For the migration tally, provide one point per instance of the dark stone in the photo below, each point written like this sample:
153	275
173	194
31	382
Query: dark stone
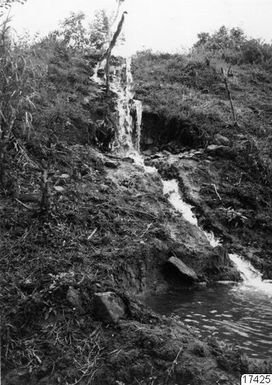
73	296
220	151
183	269
111	164
108	307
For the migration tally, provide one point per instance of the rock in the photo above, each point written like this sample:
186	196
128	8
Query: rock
147	152
222	151
108	307
214	148
101	72
183	269
111	164
59	188
128	159
104	188
221	140
149	141
64	176
73	297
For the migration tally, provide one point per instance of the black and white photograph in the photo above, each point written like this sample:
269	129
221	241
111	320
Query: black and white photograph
136	192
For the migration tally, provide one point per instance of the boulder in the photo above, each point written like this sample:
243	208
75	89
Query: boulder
221	151
108	307
111	164
221	140
73	297
183	269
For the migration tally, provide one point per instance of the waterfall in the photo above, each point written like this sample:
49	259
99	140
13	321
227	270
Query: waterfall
139	113
252	278
171	189
127	142
123	140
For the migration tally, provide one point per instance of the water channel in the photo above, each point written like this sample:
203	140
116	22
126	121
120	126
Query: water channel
239	314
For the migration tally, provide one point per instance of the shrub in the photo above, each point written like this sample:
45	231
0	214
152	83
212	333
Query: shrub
234	47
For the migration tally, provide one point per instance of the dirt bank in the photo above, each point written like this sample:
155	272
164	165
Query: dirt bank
229	198
109	229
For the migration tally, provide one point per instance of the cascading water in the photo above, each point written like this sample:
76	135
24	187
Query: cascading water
128	136
171	189
139	114
123	141
231	313
239	314
252	278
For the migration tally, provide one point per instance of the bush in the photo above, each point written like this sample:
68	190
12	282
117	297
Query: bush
234	47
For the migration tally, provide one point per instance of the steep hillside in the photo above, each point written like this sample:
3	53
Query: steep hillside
86	233
186	106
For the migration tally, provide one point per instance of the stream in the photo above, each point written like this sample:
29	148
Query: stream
235	316
236	313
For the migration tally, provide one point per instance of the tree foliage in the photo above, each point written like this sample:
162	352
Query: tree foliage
234	46
73	30
100	30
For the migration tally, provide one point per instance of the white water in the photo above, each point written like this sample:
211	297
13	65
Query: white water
128	137
252	278
171	189
139	114
123	141
127	142
238	314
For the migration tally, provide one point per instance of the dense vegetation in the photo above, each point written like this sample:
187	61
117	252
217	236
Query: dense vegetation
234	47
70	232
191	89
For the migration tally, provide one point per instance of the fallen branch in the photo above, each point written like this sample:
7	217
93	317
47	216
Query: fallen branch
216	192
21	203
92	234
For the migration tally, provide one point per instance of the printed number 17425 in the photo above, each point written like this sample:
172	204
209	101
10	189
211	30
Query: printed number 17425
254	379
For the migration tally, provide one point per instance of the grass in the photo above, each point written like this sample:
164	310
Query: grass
186	87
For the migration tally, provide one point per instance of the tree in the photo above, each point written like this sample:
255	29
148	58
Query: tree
203	39
73	31
100	30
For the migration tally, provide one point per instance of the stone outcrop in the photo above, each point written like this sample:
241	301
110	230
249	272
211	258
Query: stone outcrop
183	269
108	307
221	140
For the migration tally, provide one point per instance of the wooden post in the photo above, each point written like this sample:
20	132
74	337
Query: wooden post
229	96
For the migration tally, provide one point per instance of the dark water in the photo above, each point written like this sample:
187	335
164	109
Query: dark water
235	316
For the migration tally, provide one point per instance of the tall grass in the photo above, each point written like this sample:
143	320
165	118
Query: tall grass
16	105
